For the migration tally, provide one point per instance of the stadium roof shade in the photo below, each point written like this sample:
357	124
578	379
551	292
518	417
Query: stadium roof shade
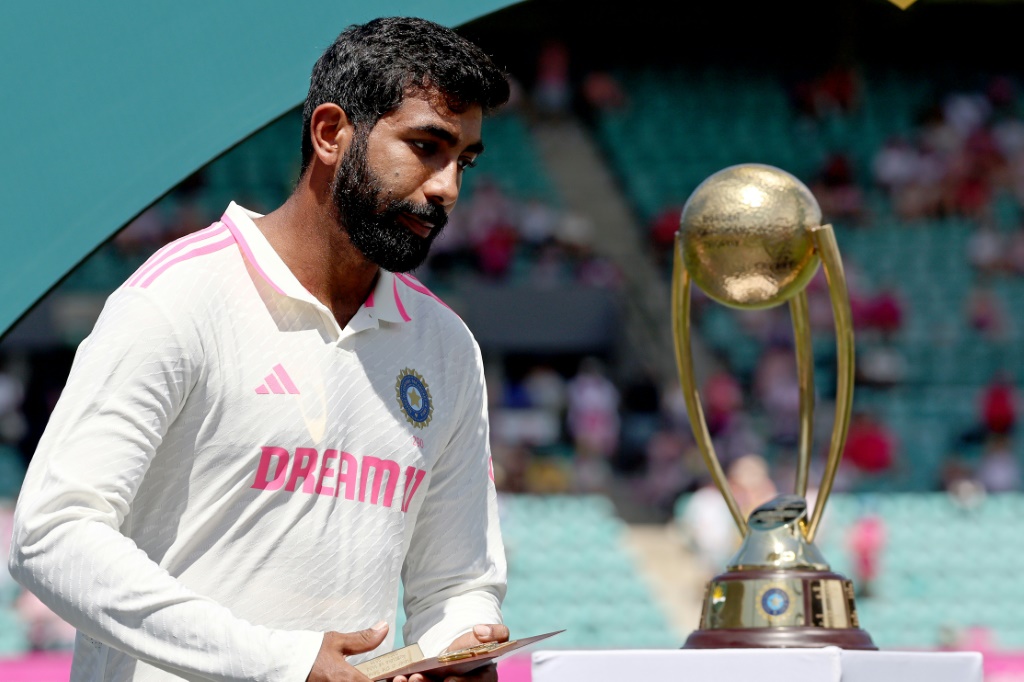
107	106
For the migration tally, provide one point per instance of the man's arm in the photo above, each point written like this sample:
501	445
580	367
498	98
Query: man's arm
128	383
455	573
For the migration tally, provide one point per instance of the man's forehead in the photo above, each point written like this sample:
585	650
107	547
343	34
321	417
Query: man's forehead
424	110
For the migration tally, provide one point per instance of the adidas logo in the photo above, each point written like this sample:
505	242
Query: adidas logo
277	382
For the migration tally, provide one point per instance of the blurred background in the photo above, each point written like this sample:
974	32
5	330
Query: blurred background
908	126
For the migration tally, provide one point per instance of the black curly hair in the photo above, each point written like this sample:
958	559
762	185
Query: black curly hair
371	67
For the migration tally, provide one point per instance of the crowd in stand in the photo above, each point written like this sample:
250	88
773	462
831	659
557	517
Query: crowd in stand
964	160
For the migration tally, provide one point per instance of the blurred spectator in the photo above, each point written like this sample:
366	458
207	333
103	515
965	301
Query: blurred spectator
496	251
545	388
998	469
672	405
999	406
708	528
552	95
551	266
592	420
511	462
896	164
881	365
537	222
668	473
777	390
593	410
705	520
870	445
663	230
595	270
491	231
986	249
740	437
751	482
722	396
966	112
602	92
836	91
865	542
911	177
985	313
883	313
837	191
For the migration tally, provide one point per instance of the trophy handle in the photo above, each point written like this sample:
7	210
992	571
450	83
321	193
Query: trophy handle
684	361
798	309
825	242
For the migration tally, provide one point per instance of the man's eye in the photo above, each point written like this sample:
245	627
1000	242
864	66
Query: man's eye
467	163
425	146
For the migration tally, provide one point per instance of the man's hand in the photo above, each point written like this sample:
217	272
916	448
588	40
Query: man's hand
330	664
481	634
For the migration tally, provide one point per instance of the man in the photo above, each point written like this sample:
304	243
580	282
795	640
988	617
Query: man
271	425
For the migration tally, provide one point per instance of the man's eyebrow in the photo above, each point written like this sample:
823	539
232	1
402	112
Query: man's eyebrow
450	138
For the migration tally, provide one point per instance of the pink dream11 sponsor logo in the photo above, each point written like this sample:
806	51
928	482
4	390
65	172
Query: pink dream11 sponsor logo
336	474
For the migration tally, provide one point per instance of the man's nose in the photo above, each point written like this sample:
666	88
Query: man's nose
443	186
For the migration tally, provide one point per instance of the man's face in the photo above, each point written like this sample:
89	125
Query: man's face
397	183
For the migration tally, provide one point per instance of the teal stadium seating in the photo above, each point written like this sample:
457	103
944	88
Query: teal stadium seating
568	568
944	567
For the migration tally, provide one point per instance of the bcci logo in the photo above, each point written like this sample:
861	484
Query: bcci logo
774	601
414	398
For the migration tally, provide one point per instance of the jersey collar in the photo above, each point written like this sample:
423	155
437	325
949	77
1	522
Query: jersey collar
383	303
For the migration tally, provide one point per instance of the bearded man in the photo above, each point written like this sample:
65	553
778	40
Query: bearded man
272	425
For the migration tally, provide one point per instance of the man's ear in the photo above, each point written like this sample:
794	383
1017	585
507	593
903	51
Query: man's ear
331	133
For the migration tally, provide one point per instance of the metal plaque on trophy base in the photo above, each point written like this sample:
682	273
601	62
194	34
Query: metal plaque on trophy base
751	237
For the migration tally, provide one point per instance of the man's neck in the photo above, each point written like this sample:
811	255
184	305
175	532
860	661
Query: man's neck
305	235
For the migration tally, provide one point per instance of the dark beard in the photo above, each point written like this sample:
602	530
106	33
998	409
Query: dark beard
370	218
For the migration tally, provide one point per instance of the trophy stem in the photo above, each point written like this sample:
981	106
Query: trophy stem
684	361
799	311
825	242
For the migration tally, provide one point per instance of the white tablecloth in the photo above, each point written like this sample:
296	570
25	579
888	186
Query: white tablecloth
828	664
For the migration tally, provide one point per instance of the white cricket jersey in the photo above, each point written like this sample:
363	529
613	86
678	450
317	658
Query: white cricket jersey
228	473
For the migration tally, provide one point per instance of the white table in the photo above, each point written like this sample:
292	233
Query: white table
828	664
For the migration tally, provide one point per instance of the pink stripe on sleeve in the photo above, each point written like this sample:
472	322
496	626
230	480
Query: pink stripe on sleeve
201	251
398	302
242	244
170	249
286	380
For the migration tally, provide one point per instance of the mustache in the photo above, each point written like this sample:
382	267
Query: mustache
431	213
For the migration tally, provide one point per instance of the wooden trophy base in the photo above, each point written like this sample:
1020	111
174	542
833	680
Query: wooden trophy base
758	608
780	638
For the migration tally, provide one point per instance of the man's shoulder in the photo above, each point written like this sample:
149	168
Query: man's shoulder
424	305
179	267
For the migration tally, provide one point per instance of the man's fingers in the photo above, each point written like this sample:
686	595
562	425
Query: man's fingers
364	640
491	633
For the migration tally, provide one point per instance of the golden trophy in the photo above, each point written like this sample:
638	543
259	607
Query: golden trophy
751	237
